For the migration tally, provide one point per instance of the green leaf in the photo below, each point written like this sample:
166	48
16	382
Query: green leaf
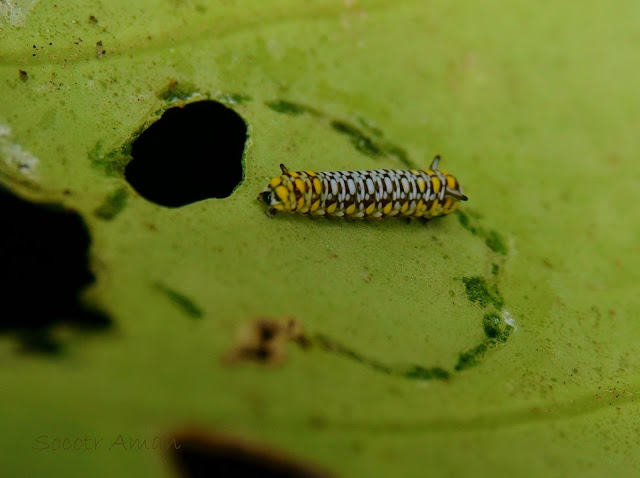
502	341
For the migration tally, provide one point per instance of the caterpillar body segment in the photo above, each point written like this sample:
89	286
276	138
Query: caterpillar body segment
365	194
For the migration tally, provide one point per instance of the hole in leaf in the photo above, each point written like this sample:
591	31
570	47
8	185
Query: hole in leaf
197	454
191	153
45	266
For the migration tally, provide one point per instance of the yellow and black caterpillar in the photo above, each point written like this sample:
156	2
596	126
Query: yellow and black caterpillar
357	194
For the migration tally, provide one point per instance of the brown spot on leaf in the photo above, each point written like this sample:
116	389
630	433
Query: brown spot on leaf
613	159
99	51
264	340
199	454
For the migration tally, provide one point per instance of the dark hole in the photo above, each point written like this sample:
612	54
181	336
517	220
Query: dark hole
199	455
45	264
192	153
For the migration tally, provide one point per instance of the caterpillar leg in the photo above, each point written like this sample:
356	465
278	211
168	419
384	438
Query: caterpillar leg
271	212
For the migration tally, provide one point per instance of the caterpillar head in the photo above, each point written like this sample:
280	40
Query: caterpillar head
268	197
275	195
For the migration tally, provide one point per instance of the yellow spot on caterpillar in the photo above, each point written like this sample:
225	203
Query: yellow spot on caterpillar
451	182
371	208
332	208
351	209
293	174
311	173
302	187
435	205
282	193
289	185
421	185
315	205
300	202
387	208
276	182
317	185
404	207
436	184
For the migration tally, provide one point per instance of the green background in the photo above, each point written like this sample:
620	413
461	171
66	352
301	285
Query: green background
535	108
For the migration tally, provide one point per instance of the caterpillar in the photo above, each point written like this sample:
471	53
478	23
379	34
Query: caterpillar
359	194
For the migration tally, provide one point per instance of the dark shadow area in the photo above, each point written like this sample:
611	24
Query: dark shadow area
360	141
183	302
291	108
196	455
191	153
45	265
